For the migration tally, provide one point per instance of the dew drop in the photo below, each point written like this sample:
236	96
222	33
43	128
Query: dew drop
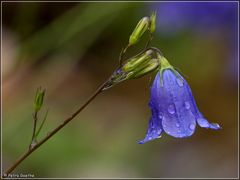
187	105
158	132
179	131
34	143
192	126
171	109
177	125
149	138
180	82
203	122
160	115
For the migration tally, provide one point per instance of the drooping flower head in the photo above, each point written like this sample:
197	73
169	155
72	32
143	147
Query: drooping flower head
173	107
174	110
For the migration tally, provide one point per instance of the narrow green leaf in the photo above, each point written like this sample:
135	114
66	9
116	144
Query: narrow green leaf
39	129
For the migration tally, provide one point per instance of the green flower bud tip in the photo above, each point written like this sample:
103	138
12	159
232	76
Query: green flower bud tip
137	61
139	30
153	22
39	97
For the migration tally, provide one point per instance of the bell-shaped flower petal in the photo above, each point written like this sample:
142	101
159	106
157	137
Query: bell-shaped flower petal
173	107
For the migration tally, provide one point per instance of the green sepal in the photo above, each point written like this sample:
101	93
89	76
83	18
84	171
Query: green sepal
164	64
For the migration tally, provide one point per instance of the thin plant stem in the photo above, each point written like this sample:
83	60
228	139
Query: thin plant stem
54	131
123	51
34	147
149	39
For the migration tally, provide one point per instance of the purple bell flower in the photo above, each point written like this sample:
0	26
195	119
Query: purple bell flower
174	110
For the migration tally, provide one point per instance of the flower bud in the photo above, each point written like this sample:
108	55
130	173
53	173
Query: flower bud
139	30
138	60
149	67
153	22
136	67
39	97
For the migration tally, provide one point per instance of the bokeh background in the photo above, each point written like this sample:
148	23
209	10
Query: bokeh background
71	48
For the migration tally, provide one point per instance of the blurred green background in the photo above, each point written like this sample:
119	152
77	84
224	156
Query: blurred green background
70	49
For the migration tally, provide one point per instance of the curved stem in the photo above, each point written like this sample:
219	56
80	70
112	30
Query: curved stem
54	131
149	39
66	121
156	49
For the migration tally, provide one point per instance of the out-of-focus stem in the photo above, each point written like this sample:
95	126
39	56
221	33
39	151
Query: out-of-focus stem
54	131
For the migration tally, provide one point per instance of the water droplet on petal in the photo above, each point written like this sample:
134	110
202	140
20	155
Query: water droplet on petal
203	122
158	132
160	115
187	105
171	109
191	126
177	125
180	82
179	131
149	138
